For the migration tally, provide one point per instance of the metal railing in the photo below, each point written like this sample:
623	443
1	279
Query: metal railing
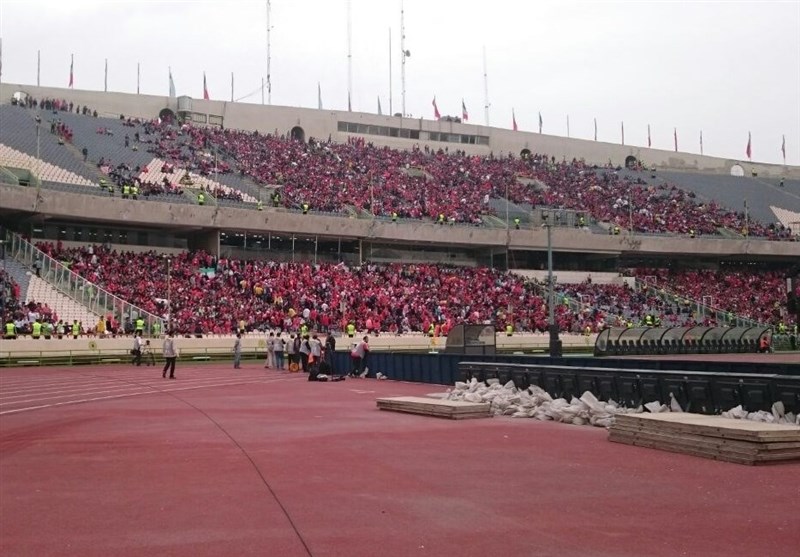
721	316
94	298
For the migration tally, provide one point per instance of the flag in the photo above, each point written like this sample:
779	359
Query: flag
622	127
436	109
380	112
540	122
783	149
171	85
649	142
513	120
205	87
319	96
71	67
595	129
675	134
464	113
749	150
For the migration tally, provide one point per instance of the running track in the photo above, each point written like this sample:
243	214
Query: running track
99	461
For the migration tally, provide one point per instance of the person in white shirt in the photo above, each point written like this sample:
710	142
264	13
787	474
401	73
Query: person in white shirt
171	355
137	350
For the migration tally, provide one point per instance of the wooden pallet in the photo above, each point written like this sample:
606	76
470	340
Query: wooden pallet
713	437
452	409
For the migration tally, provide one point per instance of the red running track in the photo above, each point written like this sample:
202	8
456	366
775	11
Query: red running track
117	461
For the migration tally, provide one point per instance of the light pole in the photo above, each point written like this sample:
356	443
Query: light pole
555	343
169	295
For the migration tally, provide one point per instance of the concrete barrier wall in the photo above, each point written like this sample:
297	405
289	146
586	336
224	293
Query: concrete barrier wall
25	347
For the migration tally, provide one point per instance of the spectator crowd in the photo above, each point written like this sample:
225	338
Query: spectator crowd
209	295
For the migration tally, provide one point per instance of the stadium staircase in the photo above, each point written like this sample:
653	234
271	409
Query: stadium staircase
67	293
698	309
35	289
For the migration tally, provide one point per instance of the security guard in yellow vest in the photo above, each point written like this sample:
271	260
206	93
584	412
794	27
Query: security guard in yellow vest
260	205
304	329
781	328
431	330
516	223
509	329
135	191
276	199
691	233
76	329
441	218
351	330
11	330
201	198
126	191
103	183
139	326
157	329
616	230
394	216
305	208
36	329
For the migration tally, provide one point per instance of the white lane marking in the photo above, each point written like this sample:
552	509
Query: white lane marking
168	390
101	379
114	386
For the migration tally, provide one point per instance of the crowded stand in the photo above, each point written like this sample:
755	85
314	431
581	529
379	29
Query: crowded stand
445	186
756	295
211	295
20	318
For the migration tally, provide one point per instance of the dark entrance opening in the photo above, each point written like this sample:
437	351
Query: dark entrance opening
631	162
298	134
167	115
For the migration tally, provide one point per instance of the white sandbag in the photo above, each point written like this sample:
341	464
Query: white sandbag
656	407
473	397
778	409
674	405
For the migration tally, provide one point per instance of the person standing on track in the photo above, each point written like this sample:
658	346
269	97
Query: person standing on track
137	350
237	351
171	355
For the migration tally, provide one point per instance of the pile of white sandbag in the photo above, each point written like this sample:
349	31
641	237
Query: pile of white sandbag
535	402
778	415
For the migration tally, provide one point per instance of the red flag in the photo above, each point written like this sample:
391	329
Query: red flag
71	65
205	87
464	114
749	150
513	120
436	110
675	133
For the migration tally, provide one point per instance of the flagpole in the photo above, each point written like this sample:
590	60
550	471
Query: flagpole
567	126
622	129
390	72
404	56
349	54
595	129
701	142
269	59
138	76
485	89
231	86
38	67
105	80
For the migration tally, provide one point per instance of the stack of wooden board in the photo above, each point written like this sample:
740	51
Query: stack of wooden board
453	409
739	441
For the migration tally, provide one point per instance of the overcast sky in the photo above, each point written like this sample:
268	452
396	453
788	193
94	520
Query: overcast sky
726	68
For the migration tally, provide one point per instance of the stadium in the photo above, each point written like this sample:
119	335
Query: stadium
531	275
